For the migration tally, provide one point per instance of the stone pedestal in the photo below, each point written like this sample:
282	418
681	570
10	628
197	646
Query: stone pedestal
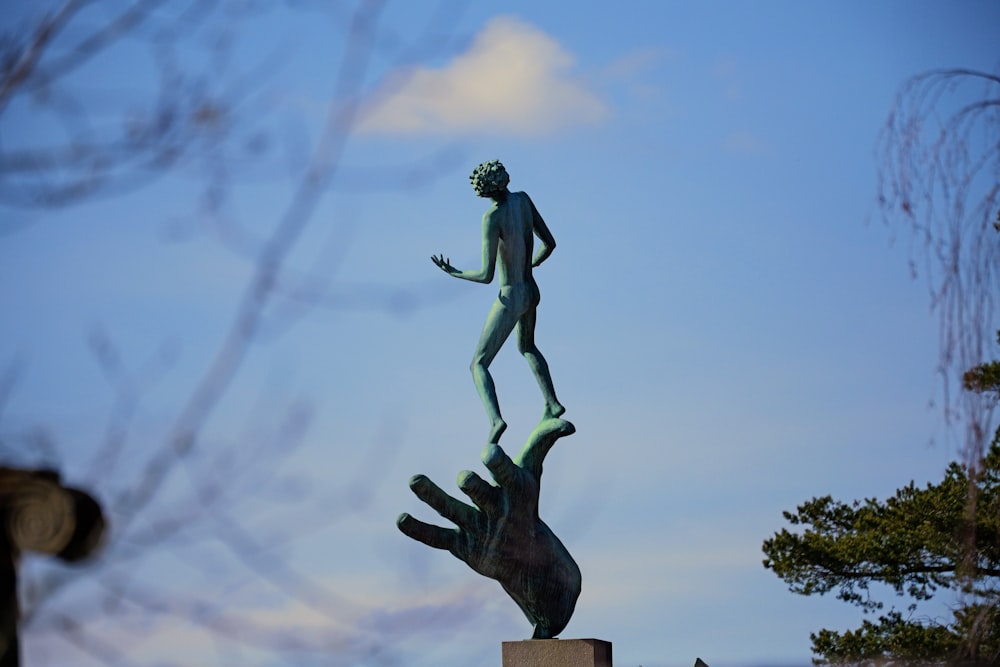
557	653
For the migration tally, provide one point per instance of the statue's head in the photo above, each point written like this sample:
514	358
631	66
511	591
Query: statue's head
489	178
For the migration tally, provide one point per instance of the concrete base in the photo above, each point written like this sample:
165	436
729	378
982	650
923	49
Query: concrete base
557	653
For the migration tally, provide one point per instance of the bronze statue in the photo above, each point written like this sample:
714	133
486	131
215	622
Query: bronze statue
502	536
509	228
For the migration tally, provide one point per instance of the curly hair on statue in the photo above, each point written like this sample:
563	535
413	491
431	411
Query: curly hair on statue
489	177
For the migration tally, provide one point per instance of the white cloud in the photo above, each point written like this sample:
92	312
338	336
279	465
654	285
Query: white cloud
514	79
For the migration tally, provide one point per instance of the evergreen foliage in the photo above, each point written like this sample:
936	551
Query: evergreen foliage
917	542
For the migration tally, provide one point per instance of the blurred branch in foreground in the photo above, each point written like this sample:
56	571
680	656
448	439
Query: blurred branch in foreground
220	509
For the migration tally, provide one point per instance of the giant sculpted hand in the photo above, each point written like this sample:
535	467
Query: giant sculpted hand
502	537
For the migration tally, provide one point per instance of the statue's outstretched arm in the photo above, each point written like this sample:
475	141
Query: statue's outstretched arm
491	241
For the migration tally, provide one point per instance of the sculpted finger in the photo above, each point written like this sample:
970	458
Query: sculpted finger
504	471
432	536
540	442
486	496
454	510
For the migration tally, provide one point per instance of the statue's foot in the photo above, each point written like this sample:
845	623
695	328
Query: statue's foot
499	426
553	411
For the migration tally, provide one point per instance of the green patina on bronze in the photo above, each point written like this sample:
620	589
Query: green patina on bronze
501	535
509	228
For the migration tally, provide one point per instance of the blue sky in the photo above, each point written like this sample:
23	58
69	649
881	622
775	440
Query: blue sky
725	317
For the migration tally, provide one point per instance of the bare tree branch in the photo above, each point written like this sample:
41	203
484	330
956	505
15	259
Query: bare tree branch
940	182
184	496
26	61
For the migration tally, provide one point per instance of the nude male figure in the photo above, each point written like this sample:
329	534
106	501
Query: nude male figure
509	228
